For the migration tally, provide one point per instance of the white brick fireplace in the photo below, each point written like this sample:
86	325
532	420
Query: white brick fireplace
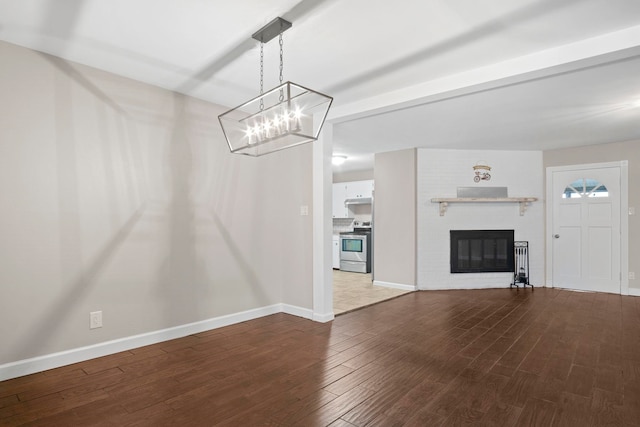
440	173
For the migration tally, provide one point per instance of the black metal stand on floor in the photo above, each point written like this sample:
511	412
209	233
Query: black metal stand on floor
521	265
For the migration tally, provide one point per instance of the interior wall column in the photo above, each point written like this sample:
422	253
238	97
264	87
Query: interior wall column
322	226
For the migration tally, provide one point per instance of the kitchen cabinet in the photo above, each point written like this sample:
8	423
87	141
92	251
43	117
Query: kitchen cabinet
349	190
359	189
336	252
339	195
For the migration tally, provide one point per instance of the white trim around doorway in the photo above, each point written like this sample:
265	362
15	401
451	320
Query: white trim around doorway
322	275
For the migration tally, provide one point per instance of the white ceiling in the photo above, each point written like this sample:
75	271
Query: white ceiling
495	74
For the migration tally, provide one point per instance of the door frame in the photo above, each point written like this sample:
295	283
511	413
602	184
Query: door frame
624	217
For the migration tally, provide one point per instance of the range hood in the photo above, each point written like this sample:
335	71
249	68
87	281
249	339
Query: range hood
358	201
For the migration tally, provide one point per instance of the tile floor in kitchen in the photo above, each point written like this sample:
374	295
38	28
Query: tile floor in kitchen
355	290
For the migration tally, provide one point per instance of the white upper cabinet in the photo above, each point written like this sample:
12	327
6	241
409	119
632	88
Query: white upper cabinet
349	190
359	189
339	196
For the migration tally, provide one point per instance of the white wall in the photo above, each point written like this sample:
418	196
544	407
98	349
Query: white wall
394	260
440	173
358	175
122	197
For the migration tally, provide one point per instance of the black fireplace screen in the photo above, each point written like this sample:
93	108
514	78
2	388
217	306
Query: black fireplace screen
481	251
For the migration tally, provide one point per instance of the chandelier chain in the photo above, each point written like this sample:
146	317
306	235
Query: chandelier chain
281	67
281	57
261	74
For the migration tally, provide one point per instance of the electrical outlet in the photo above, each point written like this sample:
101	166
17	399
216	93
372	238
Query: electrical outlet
632	211
95	319
304	210
632	275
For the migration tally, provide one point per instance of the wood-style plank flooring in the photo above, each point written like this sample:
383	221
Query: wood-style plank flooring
484	357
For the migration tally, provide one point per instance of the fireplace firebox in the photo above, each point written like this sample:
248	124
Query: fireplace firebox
482	251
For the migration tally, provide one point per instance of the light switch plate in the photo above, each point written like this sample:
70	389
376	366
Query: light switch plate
95	319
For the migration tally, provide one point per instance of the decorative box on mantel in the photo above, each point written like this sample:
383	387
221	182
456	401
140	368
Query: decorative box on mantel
483	195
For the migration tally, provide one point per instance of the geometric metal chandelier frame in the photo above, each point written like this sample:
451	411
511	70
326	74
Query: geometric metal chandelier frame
283	117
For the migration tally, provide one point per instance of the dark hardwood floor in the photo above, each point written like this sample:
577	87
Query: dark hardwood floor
485	357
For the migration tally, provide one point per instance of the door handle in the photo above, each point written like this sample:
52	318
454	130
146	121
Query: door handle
557	236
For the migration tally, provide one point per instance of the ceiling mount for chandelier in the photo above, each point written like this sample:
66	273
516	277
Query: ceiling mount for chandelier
283	117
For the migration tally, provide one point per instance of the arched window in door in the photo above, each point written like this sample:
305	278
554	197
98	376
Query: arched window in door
585	187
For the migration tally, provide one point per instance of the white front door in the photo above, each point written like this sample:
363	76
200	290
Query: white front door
585	228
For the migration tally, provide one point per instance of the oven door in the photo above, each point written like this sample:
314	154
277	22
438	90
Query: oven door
353	248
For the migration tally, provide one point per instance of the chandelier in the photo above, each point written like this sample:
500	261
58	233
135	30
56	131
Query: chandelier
283	117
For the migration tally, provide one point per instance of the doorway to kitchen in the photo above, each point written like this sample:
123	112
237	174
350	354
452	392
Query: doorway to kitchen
353	247
324	297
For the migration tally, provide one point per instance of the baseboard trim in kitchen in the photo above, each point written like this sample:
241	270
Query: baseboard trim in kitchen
410	288
68	357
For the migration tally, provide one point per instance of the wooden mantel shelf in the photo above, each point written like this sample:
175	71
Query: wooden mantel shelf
523	201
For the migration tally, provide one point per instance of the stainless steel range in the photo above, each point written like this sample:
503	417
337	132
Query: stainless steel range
355	251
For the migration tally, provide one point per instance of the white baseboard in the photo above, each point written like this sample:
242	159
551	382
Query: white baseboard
297	311
394	285
323	318
469	287
63	358
634	292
